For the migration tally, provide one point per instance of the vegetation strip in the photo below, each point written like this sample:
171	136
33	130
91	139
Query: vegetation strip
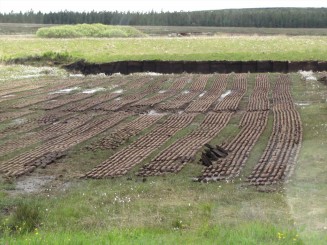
124	132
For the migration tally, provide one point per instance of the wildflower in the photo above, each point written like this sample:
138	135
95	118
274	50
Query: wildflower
280	235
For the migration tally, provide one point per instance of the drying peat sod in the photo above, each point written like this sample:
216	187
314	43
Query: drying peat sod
186	158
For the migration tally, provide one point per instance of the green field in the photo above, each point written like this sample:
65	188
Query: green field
172	209
190	48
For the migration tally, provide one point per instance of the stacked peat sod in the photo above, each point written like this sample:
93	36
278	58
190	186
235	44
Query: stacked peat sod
199	83
47	159
177	155
4	116
252	125
72	100
28	96
57	124
62	100
51	117
118	103
124	160
175	88
43	94
9	89
29	161
205	100
122	101
27	101
197	86
44	134
232	100
33	122
90	102
212	154
279	158
178	102
124	132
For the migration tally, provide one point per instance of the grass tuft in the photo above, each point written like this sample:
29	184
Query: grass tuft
25	218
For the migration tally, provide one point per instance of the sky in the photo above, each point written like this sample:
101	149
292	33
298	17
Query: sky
148	5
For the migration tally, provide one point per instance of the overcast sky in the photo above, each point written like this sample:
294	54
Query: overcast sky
148	5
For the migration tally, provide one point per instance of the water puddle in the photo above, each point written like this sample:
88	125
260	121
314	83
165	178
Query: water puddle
32	184
18	121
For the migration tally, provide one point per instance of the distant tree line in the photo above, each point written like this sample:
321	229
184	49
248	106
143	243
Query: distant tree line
270	17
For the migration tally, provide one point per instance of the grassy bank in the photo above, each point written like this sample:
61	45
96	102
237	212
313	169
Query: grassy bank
192	48
88	30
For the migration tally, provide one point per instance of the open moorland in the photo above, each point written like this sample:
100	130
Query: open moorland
154	158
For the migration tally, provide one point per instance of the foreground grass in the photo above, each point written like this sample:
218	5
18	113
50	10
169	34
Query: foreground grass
199	48
250	233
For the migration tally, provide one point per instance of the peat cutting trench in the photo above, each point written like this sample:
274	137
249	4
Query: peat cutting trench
202	67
